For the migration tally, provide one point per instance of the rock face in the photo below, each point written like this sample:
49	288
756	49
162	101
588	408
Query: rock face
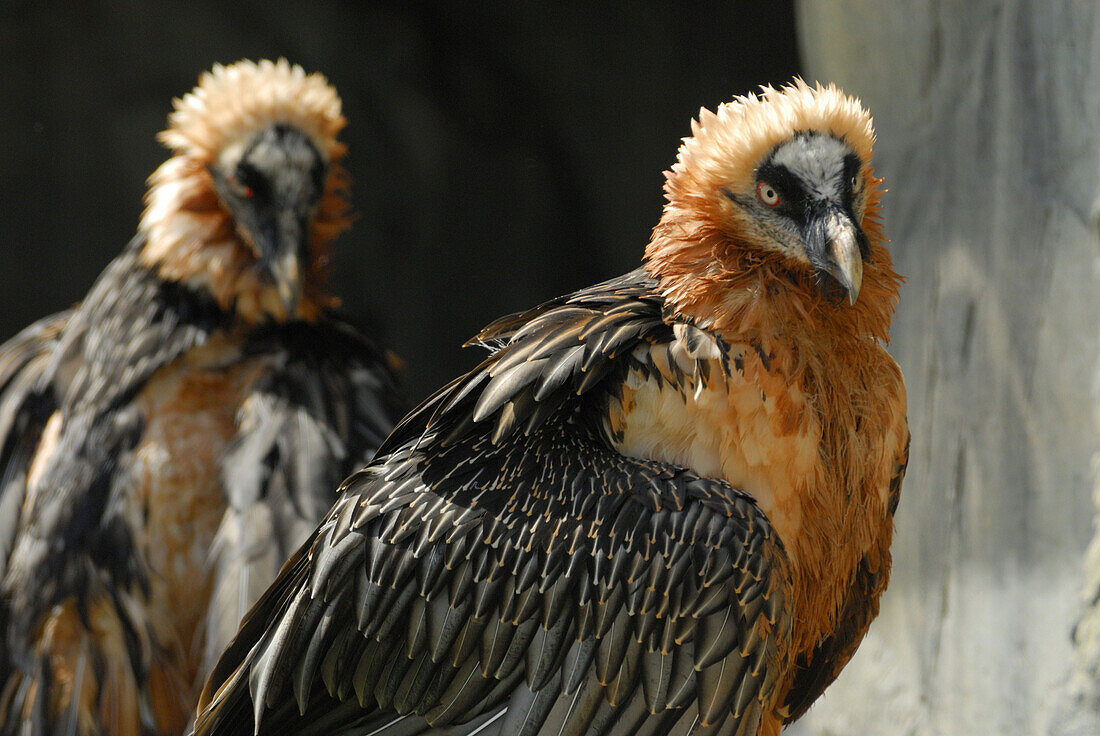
988	120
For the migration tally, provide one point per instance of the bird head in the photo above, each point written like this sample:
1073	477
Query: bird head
271	184
246	207
773	198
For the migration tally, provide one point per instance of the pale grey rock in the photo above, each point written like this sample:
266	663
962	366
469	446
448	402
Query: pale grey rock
988	116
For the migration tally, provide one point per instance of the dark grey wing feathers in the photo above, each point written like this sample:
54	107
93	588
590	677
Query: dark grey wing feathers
528	579
130	324
93	367
69	534
25	406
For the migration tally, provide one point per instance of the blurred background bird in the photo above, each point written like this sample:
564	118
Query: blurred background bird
522	95
168	441
663	505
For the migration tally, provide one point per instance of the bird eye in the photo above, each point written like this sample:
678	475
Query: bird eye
767	194
235	185
853	182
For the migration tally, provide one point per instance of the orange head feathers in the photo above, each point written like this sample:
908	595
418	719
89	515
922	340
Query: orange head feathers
254	192
772	215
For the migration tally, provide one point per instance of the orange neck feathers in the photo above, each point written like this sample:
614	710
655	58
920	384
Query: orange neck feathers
706	252
734	288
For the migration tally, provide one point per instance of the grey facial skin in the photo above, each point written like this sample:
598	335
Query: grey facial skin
272	191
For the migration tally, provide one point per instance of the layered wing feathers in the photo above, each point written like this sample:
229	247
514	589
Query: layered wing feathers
500	569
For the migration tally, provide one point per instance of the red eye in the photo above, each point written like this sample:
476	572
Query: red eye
767	194
239	189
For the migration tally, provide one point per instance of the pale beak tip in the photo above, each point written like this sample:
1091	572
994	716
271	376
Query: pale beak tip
287	282
846	260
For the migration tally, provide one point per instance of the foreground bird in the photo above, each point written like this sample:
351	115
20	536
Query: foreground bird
663	505
168	442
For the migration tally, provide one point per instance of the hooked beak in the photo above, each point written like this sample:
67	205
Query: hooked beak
836	243
284	270
282	246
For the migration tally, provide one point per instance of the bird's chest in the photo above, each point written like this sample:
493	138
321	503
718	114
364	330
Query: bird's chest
190	411
732	420
817	455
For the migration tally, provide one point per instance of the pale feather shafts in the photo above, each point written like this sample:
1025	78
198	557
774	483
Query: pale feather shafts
499	553
190	237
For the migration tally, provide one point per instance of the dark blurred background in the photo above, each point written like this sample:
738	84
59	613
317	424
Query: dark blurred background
503	153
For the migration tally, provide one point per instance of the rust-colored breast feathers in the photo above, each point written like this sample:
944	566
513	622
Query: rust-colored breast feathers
815	440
